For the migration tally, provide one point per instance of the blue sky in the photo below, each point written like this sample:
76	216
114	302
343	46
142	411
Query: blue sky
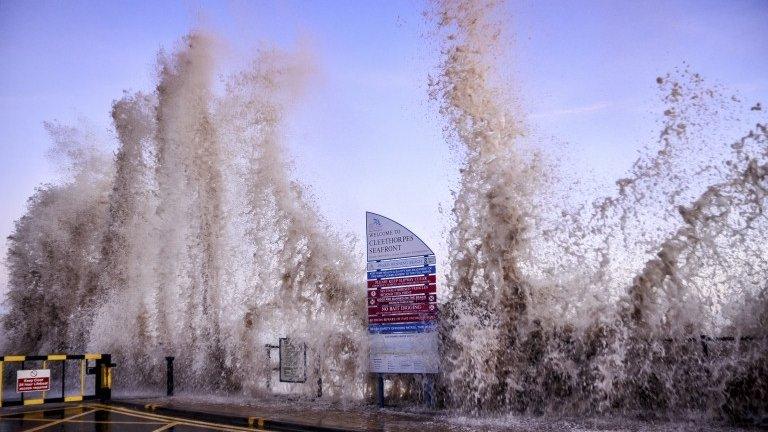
367	138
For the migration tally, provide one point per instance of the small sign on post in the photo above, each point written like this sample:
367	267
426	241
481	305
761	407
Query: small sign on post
33	380
293	361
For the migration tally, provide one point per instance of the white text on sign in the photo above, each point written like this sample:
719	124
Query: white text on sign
33	380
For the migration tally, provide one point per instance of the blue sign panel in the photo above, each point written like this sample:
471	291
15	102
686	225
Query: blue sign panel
418	327
404	272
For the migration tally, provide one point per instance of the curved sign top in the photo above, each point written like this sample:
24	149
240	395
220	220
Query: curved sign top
387	239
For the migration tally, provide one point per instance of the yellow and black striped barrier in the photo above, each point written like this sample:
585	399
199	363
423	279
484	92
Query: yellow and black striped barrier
102	369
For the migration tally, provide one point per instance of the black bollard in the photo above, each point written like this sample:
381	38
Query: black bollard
104	367
169	376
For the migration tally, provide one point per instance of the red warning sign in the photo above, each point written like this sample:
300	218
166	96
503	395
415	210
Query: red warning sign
414	298
411	280
403	291
33	380
401	309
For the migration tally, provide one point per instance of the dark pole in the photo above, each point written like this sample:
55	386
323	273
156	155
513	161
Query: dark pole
97	378
22	393
269	364
169	376
704	347
104	377
430	390
380	389
63	377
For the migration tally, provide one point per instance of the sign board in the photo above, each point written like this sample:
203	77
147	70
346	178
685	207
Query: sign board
293	361
32	380
401	299
387	239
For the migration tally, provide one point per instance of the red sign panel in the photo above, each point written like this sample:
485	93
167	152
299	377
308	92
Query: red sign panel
411	280
400	309
402	300
417	298
402	291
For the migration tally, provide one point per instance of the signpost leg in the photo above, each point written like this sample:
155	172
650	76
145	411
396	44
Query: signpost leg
319	369
269	367
429	390
380	389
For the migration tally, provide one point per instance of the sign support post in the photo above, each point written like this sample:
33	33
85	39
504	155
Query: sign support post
429	390
380	389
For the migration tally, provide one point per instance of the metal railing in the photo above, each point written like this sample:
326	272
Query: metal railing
101	368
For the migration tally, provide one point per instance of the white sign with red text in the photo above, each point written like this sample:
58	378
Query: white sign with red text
33	380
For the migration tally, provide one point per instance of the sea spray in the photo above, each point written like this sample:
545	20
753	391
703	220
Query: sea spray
53	252
186	130
541	317
127	250
196	242
304	268
689	343
201	245
489	299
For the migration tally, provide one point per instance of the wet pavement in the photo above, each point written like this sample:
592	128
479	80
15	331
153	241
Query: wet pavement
209	413
351	417
310	414
97	417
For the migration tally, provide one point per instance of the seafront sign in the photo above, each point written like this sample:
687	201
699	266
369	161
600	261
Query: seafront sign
402	299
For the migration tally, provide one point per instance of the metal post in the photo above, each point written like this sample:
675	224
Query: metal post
45	366
169	376
380	389
22	394
704	347
429	390
269	367
319	377
63	377
98	376
83	365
